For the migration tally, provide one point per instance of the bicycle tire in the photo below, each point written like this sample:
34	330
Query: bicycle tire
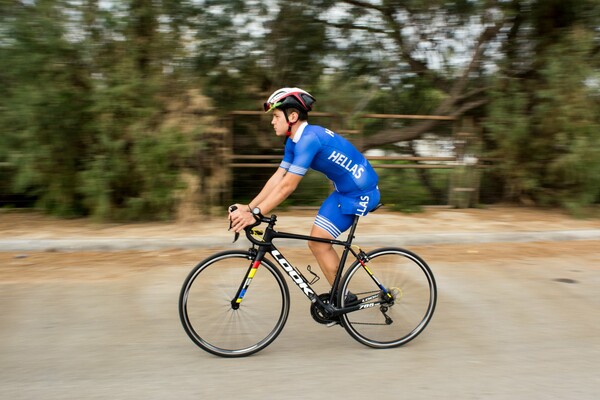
413	286
206	312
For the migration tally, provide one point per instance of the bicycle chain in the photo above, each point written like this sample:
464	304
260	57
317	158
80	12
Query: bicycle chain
368	323
322	319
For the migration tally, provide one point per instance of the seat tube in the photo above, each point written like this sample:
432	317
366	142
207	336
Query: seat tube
344	257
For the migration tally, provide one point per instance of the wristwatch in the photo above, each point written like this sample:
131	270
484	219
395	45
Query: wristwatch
256	211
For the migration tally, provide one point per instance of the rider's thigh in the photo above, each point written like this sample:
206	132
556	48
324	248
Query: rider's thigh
330	217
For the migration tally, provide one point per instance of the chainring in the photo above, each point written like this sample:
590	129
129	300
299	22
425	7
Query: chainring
317	313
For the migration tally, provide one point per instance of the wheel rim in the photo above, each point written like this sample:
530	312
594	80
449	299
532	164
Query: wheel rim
415	293
210	320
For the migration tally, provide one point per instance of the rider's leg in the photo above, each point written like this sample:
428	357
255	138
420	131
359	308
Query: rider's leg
335	216
329	224
325	254
328	259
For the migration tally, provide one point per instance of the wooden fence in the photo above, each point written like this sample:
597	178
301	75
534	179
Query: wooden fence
464	181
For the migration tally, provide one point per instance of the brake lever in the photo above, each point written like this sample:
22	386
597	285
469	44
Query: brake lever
236	236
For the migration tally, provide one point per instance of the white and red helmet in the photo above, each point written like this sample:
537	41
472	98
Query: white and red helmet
285	98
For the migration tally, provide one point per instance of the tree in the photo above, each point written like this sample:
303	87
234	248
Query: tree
45	97
543	118
423	42
84	98
296	47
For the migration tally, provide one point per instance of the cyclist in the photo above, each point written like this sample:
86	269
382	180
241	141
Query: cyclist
311	146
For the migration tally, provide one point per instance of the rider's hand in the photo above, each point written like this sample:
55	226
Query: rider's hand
241	217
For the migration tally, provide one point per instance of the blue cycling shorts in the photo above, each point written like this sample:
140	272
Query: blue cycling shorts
338	210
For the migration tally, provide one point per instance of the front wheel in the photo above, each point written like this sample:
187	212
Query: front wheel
212	318
392	320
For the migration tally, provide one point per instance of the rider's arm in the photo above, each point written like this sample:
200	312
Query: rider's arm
269	186
279	192
277	189
296	162
283	183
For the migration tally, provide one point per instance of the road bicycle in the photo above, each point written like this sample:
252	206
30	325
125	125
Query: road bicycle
235	303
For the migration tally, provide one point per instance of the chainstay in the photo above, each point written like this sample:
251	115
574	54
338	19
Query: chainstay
368	323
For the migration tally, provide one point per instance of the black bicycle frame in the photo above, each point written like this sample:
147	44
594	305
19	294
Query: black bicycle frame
266	246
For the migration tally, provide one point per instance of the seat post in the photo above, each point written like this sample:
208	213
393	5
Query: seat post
353	228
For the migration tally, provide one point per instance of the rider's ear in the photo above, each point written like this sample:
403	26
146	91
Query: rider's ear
293	117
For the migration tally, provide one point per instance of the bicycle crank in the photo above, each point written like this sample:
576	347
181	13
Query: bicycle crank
318	313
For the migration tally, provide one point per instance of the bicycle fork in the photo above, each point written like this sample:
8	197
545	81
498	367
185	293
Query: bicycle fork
239	296
293	273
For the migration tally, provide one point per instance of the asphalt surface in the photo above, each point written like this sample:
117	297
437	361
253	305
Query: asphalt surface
90	318
520	326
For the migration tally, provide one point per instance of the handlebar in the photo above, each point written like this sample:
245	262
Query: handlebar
260	218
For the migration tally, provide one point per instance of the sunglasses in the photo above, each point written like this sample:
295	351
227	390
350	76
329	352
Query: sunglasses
270	106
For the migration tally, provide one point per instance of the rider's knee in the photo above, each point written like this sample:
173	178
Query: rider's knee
319	247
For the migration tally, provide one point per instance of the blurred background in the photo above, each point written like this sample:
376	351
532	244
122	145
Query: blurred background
131	110
150	109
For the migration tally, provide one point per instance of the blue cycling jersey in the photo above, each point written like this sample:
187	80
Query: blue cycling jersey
327	152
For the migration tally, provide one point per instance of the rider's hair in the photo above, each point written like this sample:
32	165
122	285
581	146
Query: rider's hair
302	116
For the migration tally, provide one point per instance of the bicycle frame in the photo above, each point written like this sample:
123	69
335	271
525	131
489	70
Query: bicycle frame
265	246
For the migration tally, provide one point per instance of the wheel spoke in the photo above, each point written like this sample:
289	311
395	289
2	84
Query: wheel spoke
207	313
413	286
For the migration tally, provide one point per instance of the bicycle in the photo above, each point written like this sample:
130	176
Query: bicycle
235	303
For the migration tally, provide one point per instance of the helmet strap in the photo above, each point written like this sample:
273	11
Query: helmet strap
290	124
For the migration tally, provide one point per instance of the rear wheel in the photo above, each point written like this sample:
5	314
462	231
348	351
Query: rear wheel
221	326
403	316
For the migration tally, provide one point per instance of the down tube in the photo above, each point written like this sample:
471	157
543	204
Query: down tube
296	276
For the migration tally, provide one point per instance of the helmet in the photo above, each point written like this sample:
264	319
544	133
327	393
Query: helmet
285	98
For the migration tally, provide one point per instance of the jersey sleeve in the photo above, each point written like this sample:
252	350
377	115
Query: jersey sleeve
288	156
304	152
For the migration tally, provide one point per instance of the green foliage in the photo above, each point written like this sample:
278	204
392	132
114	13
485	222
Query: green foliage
135	181
402	190
44	99
568	113
546	128
405	195
82	112
297	46
87	91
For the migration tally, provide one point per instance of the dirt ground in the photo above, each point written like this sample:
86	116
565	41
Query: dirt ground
106	266
44	266
29	225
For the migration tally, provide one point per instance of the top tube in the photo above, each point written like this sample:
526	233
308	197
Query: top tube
271	233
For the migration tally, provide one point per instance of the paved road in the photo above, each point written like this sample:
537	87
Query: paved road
515	327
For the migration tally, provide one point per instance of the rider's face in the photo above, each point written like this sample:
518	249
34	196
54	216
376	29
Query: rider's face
280	124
